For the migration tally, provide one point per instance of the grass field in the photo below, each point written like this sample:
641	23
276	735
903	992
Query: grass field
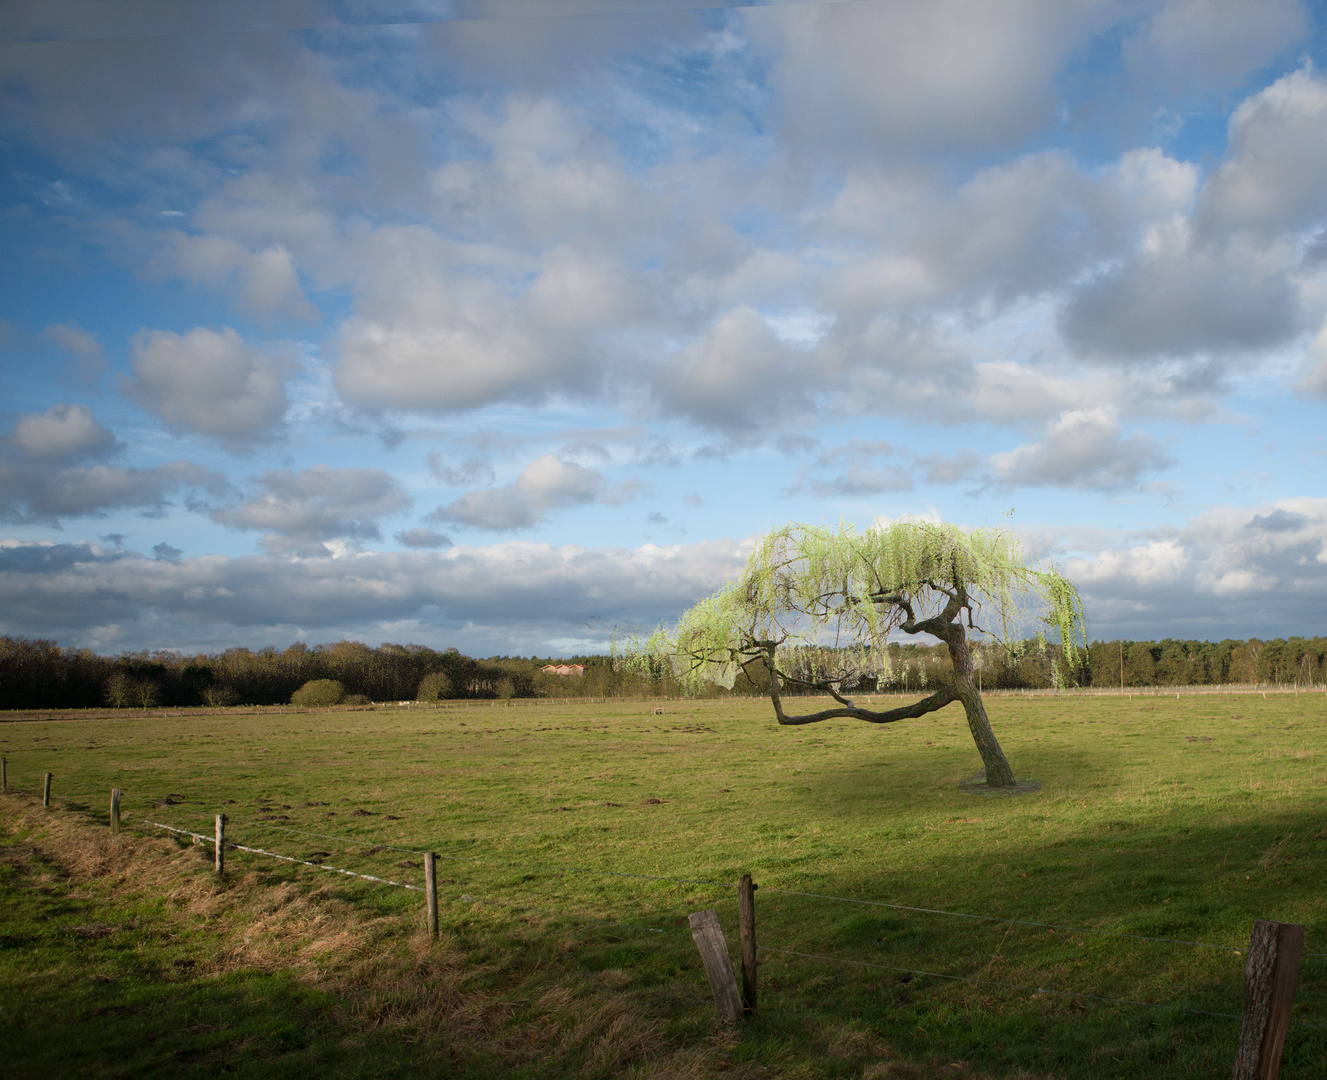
1180	818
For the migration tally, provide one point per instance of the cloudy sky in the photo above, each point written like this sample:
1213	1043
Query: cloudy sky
501	323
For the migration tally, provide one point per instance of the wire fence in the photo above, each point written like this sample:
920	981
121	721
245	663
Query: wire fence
915	972
376	845
79	800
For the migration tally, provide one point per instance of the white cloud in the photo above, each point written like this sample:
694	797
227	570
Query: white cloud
1158	562
1200	46
741	376
265	283
1083	448
903	78
84	350
303	512
859	467
53	466
447	329
62	433
210	383
1234	571
1275	175
548	483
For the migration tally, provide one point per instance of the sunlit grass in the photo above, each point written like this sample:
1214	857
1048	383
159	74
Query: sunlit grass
1172	818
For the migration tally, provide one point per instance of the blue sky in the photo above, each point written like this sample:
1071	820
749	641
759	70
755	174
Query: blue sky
500	325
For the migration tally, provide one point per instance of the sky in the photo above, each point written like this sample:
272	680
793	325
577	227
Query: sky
507	325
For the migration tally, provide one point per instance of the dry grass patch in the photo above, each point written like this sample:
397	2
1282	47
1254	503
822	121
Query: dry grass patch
382	973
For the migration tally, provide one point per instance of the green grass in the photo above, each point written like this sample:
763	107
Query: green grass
1179	818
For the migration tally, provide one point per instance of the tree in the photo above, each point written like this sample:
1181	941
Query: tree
319	694
435	687
815	607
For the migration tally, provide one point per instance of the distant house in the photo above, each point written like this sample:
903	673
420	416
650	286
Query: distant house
563	669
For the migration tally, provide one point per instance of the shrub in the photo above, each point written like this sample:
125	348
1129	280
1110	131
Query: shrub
144	693
435	687
319	694
220	695
356	699
119	690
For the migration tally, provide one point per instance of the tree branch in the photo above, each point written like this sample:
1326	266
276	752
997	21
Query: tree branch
828	687
938	700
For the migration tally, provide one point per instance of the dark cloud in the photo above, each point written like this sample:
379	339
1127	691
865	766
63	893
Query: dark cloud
518	593
164	552
1279	521
1181	301
420	537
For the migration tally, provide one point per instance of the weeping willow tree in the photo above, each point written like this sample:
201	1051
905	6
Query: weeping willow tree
815	607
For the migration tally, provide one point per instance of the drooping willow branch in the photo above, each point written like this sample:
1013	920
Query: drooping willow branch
803	585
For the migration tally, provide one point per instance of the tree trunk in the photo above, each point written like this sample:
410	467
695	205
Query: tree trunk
998	772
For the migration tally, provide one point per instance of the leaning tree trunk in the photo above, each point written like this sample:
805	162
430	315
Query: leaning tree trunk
947	627
998	772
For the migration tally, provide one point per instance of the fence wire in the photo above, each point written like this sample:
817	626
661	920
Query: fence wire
285	858
1015	922
629	927
1017	986
550	868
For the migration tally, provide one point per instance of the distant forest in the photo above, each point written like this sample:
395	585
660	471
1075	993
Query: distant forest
42	675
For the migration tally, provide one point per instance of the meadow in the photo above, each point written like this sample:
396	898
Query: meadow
1159	816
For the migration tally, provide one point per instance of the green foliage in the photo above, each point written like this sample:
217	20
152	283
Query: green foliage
435	687
119	690
218	696
318	694
805	588
356	699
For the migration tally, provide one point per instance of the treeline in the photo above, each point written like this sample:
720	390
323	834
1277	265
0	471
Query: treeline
1294	661
42	675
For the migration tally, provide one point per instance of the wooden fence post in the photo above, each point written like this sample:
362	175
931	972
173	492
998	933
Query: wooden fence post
46	791
431	891
1269	992
713	947
746	922
115	810
221	843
